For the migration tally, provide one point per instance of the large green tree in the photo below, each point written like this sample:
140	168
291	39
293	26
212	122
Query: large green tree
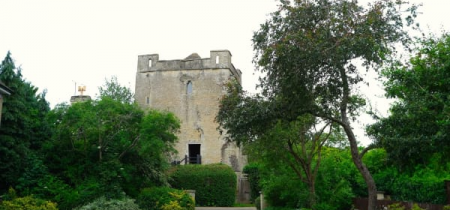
23	128
418	126
309	50
256	123
111	142
107	147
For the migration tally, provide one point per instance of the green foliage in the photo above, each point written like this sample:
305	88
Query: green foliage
214	184
423	185
165	198
34	170
282	190
110	204
24	128
250	120
418	126
337	175
115	91
106	148
396	206
28	203
252	171
336	178
243	205
416	207
308	53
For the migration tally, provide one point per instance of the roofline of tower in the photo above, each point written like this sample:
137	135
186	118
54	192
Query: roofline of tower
219	59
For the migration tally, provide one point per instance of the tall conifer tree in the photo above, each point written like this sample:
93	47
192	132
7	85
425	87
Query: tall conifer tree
23	126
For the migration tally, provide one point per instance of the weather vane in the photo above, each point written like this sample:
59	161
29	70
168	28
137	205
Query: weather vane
81	89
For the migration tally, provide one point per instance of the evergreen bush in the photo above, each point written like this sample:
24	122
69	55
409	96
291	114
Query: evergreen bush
214	184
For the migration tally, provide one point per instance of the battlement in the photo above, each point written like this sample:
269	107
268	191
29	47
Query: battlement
219	59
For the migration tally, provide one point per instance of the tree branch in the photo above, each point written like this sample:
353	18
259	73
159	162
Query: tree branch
365	150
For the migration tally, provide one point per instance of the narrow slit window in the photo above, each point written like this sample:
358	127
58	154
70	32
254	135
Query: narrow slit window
148	100
150	63
217	59
189	88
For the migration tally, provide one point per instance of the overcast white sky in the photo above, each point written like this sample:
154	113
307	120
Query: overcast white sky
60	43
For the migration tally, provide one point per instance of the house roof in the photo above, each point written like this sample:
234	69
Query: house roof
4	89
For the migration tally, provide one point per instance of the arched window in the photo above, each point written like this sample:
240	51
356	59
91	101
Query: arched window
189	88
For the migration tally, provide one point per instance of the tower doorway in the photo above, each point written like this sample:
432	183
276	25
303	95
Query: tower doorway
194	154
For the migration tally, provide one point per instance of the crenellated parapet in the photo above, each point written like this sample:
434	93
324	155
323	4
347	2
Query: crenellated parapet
219	59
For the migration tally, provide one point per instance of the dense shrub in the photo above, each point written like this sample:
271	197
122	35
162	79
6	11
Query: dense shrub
282	187
28	203
252	172
396	206
112	204
214	184
282	190
162	198
423	185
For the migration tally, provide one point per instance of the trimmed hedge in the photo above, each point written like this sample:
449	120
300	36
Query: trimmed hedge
214	184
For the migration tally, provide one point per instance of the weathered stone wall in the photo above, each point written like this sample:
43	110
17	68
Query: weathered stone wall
191	89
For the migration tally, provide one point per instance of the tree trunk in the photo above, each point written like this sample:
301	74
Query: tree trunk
312	194
357	159
371	186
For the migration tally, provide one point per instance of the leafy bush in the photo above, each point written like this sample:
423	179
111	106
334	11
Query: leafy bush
282	190
419	189
28	203
425	184
253	177
113	204
162	198
416	207
396	206
334	182
214	184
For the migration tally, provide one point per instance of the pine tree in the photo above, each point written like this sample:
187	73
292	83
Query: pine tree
23	126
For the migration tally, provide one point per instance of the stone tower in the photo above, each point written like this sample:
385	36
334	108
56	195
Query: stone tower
191	89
